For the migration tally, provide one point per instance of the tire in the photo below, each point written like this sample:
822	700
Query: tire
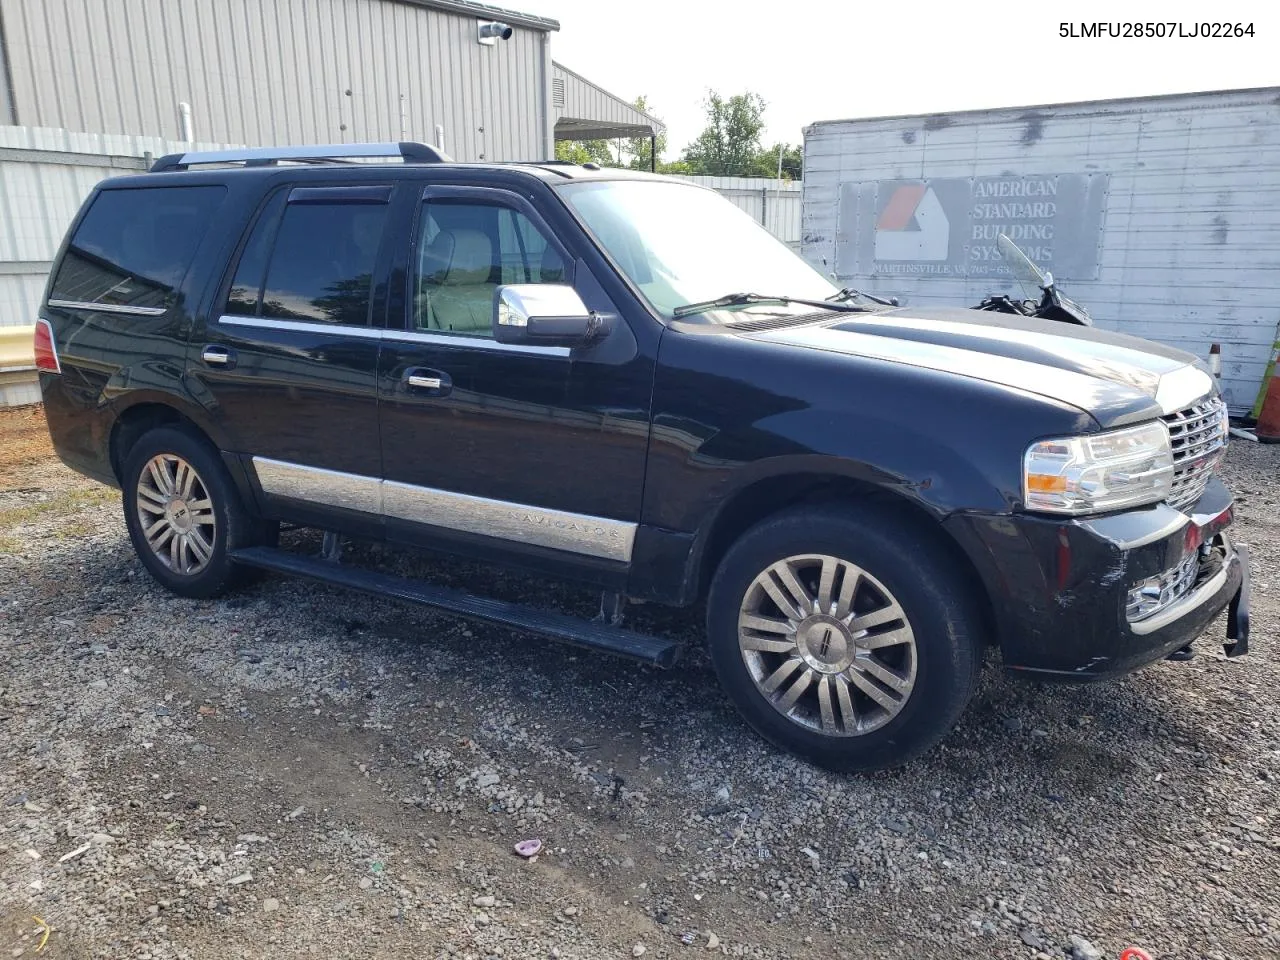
906	649
192	535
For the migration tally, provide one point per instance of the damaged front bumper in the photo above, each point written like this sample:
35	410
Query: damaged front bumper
1086	598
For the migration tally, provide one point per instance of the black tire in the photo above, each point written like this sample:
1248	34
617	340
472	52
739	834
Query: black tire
905	557
232	525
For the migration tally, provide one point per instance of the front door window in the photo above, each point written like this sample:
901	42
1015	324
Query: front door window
465	251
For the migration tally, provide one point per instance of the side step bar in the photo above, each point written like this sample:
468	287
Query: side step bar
558	626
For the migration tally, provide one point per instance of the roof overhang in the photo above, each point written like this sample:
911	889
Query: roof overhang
570	128
585	111
487	12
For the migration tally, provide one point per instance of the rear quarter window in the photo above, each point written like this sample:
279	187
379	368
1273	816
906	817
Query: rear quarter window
134	246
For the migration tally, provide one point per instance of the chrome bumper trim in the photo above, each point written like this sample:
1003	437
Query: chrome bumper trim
1181	608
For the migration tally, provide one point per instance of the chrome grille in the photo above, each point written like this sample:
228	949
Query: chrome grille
1199	437
1154	594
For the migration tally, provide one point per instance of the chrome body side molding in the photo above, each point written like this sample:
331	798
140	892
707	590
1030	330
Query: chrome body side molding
109	308
350	491
399	336
557	529
539	526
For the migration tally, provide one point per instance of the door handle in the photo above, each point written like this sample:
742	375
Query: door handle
432	383
218	356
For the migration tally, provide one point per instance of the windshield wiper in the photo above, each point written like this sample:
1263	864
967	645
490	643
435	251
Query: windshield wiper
745	299
848	293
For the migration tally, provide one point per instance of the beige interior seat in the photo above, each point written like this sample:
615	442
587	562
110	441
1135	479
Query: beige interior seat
456	271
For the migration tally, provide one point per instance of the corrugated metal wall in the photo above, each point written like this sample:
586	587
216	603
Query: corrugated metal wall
6	95
1190	246
775	204
277	71
44	177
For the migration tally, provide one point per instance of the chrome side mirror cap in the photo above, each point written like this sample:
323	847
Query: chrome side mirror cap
551	314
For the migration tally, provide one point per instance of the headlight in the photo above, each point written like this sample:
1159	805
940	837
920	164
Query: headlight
1103	471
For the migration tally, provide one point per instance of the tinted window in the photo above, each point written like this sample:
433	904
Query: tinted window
465	250
247	285
133	247
321	266
523	251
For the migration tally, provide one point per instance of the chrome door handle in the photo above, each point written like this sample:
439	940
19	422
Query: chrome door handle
217	356
425	382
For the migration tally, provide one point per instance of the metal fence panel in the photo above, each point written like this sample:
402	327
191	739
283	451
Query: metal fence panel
44	177
775	204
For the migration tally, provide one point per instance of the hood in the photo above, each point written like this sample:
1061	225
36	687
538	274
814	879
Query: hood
1116	378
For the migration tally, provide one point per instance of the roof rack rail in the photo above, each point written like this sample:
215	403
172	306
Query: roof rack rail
321	153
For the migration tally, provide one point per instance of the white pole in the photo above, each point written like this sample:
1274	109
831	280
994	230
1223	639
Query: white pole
188	131
439	137
404	117
777	187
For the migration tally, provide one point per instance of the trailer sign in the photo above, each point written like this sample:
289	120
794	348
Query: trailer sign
949	226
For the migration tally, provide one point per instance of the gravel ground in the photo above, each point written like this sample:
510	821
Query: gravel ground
298	771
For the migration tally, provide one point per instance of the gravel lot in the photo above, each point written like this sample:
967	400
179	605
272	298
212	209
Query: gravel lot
299	771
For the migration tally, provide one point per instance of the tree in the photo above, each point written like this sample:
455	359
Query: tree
638	148
766	162
731	140
586	151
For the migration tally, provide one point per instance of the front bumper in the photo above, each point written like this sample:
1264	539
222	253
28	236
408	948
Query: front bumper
1059	586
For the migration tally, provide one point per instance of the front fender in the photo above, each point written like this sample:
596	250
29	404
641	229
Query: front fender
730	412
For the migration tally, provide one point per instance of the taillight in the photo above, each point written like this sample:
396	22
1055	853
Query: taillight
46	350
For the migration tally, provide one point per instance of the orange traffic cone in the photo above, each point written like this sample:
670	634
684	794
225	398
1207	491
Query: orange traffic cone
1268	409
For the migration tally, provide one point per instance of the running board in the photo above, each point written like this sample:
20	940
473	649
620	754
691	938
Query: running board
558	626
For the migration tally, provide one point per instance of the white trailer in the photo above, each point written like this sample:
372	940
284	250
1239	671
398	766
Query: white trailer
1160	214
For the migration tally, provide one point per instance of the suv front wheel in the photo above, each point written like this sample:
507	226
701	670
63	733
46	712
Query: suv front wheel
844	635
184	514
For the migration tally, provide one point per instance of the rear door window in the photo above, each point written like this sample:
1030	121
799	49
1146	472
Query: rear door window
133	247
314	260
246	288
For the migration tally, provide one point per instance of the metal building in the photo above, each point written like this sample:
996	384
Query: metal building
92	88
263	72
1159	214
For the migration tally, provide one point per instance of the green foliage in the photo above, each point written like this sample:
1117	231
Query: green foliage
675	166
633	152
727	147
766	162
587	151
638	148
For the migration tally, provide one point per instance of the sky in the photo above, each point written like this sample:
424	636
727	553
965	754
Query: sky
817	60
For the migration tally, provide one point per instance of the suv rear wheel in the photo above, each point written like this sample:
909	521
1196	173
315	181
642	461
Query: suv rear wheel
183	513
844	635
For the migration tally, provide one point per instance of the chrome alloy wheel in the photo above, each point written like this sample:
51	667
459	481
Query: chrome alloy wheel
827	645
175	514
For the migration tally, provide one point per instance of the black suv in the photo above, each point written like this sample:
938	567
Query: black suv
559	368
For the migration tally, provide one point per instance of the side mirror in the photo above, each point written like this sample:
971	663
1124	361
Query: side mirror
546	314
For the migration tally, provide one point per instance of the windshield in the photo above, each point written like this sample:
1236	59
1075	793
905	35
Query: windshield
681	244
1029	276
